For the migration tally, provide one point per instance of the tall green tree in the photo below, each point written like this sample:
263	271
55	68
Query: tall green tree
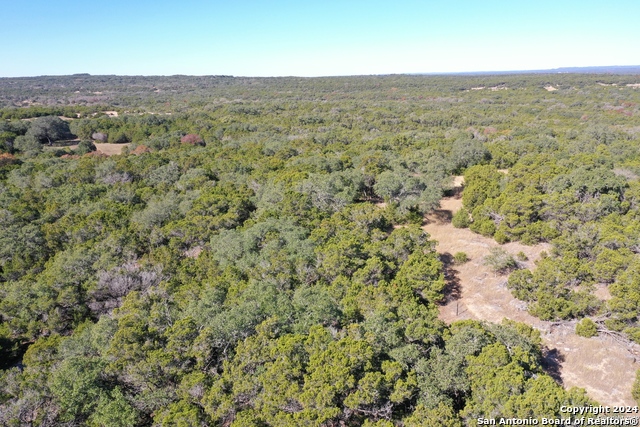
48	129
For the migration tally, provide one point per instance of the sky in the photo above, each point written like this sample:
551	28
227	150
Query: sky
313	38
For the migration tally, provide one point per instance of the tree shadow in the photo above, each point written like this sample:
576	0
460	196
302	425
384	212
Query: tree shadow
552	363
65	143
455	192
11	353
452	289
438	216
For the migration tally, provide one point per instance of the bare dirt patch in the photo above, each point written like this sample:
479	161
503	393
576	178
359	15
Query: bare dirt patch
111	149
602	292
106	149
458	181
193	252
603	367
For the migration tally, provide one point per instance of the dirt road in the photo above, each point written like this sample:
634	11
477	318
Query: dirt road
604	368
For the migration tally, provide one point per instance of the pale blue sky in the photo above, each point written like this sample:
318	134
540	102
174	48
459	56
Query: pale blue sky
312	38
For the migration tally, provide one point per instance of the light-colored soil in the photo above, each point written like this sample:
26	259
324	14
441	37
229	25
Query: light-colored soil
550	88
193	252
111	149
106	149
602	292
605	368
458	181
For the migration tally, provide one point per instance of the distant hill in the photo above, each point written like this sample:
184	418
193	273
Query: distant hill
613	69
610	69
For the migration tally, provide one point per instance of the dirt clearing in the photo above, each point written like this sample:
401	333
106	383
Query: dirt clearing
106	149
605	368
111	149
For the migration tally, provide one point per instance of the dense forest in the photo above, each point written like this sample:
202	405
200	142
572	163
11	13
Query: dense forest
254	256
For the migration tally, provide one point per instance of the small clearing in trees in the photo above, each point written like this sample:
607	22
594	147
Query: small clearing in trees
107	149
604	367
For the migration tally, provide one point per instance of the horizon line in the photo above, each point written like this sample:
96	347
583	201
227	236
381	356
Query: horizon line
594	69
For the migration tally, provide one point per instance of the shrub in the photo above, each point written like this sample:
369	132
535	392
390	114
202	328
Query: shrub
100	136
7	159
118	138
500	261
521	256
460	258
27	144
461	219
85	147
635	390
192	139
501	237
586	328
